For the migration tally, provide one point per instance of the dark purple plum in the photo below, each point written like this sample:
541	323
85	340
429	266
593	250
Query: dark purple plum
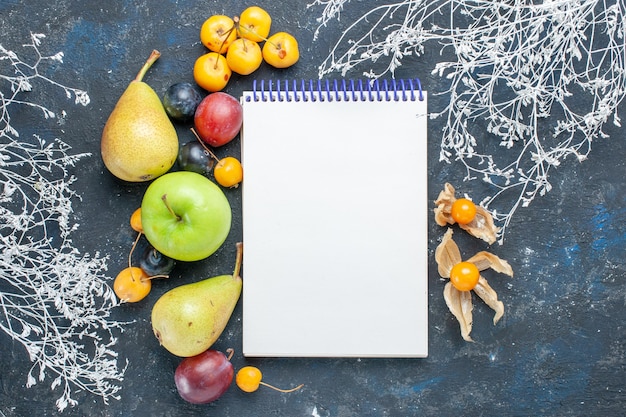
204	378
193	157
155	263
181	100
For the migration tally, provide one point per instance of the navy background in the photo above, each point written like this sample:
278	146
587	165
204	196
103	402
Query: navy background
558	351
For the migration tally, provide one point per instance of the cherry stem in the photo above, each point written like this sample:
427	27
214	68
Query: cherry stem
146	66
226	35
206	148
279	389
164	198
132	275
240	28
155	276
219	52
216	59
132	249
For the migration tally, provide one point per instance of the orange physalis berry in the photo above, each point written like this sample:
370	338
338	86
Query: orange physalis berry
463	211
464	276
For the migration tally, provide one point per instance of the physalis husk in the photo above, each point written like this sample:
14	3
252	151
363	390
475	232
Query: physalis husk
481	226
460	304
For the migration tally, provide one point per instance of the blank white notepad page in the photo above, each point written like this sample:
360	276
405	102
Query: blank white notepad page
335	228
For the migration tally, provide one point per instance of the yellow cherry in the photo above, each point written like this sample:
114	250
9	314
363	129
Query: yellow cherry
254	24
244	56
281	50
211	72
217	33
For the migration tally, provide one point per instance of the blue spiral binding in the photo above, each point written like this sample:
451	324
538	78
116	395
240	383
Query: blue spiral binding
394	90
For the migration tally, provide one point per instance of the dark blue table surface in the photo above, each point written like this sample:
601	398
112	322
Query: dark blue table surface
558	351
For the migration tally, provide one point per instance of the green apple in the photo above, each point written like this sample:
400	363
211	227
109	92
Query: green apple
185	216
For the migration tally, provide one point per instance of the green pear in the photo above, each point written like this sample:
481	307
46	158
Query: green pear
188	319
139	142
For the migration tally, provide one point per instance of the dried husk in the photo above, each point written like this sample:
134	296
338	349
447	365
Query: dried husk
482	226
459	303
485	260
490	297
447	254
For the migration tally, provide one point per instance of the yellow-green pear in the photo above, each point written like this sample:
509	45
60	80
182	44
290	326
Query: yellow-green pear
139	142
188	319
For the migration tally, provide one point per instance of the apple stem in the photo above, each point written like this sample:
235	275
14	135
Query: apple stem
238	259
151	60
164	198
206	148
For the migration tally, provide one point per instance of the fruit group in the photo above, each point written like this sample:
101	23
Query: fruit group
203	378
464	276
188	319
238	41
132	284
185	216
463	211
218	119
281	50
139	142
181	100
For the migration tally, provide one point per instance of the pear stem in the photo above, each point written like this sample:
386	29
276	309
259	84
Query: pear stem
164	198
151	60
238	259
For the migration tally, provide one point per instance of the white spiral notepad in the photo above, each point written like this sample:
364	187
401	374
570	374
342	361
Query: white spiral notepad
335	219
